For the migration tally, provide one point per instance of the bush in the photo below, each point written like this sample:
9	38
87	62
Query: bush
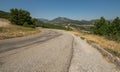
26	24
19	17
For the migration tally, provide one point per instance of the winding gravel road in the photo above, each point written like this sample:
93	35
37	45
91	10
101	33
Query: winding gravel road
51	51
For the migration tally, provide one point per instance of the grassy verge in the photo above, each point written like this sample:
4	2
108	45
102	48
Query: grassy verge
111	46
13	31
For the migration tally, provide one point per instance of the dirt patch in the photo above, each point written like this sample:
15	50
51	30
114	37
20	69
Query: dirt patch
4	23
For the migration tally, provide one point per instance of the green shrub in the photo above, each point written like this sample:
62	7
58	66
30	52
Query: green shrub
20	17
26	24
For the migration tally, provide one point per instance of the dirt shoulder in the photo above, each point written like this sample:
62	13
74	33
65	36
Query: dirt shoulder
88	59
111	46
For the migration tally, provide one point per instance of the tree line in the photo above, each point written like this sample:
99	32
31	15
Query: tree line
109	29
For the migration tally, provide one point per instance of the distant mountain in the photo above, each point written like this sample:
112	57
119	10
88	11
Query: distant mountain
64	20
43	20
60	20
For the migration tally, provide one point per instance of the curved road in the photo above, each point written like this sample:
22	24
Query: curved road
51	51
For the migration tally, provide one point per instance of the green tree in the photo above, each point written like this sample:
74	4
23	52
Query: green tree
37	22
108	29
14	16
100	27
19	17
116	25
114	29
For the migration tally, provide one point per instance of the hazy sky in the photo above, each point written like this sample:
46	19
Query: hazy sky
74	9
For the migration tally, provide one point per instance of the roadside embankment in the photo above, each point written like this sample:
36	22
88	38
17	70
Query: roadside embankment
7	30
108	48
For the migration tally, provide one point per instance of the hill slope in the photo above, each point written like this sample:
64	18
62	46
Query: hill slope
64	20
4	14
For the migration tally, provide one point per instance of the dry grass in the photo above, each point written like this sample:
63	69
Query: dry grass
111	46
12	31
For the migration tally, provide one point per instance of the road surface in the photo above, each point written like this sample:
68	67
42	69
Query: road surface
51	51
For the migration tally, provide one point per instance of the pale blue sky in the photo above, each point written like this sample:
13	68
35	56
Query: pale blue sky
74	9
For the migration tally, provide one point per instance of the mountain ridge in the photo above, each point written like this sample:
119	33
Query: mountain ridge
65	19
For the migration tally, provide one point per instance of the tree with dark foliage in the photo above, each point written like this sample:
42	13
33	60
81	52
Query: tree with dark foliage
108	29
20	17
